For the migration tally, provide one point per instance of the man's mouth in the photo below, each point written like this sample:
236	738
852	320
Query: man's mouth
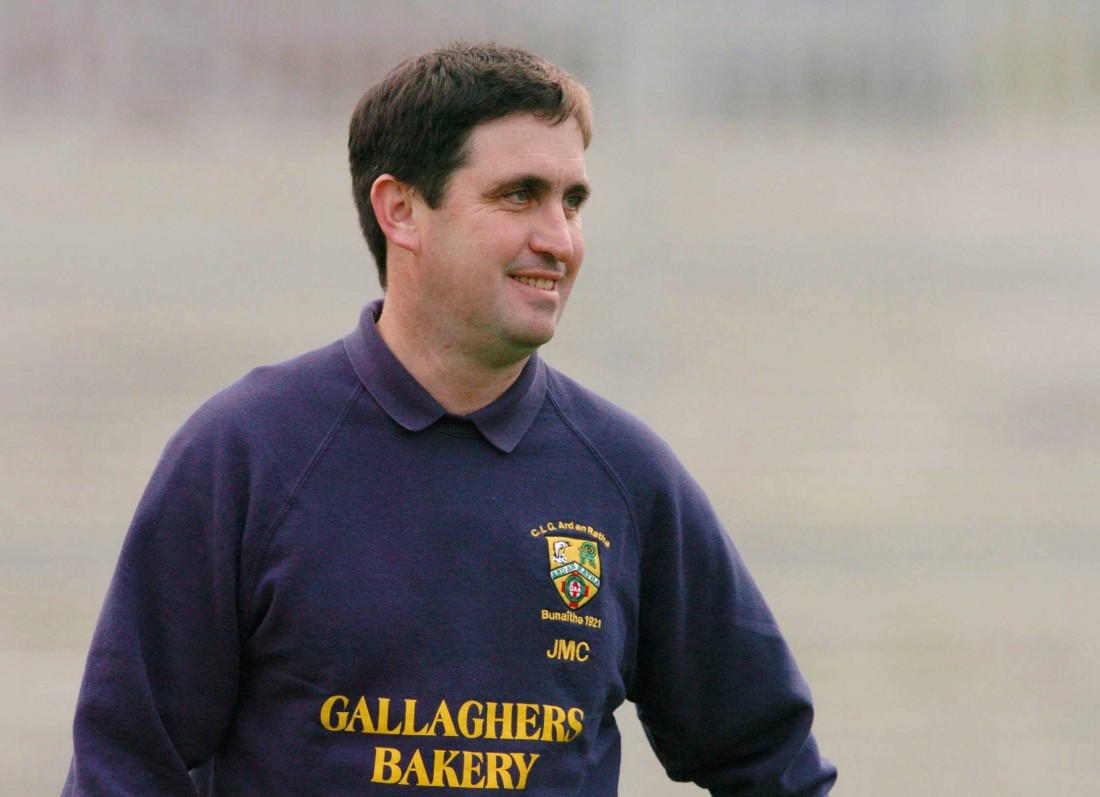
536	282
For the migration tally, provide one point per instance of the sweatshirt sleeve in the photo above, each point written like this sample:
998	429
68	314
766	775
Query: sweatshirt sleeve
718	691
161	677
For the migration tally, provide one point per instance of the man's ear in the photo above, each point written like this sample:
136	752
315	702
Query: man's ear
393	203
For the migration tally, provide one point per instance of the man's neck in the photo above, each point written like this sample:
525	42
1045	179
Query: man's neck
460	383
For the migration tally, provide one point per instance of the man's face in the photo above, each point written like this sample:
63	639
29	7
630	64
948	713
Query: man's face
499	255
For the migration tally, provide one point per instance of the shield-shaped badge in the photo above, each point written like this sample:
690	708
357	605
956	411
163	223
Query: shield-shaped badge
574	569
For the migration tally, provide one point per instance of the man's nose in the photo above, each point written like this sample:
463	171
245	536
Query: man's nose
553	234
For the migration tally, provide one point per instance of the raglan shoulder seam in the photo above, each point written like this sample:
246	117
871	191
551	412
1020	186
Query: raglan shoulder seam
252	576
604	464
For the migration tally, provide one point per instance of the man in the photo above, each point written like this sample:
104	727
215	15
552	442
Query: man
420	557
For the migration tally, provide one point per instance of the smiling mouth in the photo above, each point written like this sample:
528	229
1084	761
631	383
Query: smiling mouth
536	282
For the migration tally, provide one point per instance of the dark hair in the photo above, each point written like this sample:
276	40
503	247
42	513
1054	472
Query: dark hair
415	122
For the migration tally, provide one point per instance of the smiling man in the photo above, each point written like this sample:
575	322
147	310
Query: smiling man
478	283
420	557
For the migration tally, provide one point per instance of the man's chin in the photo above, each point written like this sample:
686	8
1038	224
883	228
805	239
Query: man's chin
535	330
523	343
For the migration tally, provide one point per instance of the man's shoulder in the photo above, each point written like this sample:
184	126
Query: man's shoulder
626	442
299	393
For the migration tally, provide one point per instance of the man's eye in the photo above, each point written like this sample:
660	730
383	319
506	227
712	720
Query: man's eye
519	195
574	201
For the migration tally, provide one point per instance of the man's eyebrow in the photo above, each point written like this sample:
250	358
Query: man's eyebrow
582	188
537	184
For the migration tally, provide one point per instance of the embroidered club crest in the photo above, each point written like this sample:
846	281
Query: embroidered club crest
574	569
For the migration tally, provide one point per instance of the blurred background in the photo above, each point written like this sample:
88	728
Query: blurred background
843	256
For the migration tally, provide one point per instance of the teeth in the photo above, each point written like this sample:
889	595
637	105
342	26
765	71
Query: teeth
541	284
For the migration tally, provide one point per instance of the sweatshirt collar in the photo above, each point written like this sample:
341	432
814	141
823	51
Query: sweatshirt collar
503	423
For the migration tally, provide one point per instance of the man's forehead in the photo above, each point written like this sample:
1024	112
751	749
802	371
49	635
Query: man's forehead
526	141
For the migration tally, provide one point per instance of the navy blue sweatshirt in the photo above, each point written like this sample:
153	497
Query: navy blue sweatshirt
333	587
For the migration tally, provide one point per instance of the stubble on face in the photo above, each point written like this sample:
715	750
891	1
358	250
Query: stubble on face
501	252
480	281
